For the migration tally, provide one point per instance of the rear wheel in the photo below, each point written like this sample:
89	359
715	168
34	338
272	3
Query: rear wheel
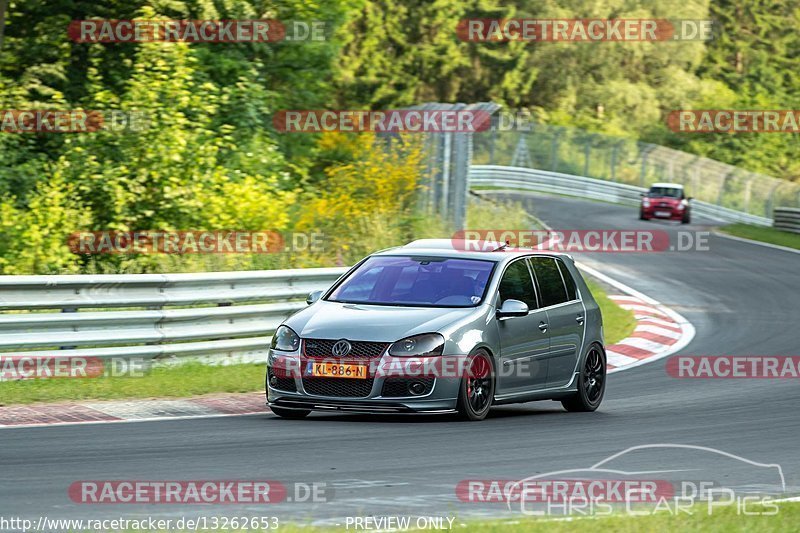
591	383
477	387
290	413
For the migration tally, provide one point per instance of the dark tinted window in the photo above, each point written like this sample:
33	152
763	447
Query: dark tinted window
517	285
550	283
669	192
572	289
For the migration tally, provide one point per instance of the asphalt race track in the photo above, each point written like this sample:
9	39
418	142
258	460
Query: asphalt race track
742	299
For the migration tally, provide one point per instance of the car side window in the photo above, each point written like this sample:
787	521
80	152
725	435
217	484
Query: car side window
517	284
549	279
569	281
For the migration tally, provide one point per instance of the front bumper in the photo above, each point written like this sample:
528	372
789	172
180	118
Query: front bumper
669	213
292	393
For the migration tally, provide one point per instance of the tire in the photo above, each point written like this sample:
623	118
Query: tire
687	219
294	414
589	397
476	392
642	217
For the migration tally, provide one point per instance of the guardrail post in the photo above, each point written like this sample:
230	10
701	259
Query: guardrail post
771	199
554	150
645	154
68	310
587	149
614	152
721	191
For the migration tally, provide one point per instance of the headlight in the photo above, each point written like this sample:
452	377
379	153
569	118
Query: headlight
285	340
418	345
645	203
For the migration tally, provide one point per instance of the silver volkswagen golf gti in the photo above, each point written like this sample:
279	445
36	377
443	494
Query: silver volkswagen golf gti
433	328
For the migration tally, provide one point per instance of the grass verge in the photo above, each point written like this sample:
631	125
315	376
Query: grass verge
697	519
618	323
191	379
768	235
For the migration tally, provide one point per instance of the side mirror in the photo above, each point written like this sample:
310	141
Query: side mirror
641	195
512	308
313	296
689	198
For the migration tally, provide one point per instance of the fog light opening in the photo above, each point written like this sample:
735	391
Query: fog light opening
416	388
273	380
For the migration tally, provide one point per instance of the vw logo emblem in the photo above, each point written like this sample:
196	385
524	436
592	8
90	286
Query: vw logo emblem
341	348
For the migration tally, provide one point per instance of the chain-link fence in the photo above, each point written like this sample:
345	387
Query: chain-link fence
577	152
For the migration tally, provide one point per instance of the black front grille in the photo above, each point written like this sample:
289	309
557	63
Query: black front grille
359	350
338	387
398	387
281	383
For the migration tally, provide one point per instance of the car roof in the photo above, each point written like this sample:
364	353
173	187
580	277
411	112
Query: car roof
668	185
487	250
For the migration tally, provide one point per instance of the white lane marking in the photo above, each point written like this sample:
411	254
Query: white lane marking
643	310
618	359
654	320
644	344
663	332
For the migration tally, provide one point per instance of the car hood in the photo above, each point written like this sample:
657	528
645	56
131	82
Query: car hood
333	320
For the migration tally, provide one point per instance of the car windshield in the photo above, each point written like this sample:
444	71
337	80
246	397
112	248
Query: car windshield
416	281
668	192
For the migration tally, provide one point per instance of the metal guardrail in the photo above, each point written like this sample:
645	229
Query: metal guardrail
543	181
223	314
787	219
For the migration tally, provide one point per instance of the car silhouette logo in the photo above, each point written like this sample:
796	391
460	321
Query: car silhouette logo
341	348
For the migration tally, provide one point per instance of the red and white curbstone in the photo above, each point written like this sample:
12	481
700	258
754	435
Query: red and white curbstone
659	332
98	412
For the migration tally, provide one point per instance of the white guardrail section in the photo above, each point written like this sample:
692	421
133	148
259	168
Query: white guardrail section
220	314
528	179
787	219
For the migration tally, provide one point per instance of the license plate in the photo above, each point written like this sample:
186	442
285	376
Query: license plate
663	214
334	370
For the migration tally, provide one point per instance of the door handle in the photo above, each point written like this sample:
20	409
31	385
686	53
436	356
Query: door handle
542	326
579	318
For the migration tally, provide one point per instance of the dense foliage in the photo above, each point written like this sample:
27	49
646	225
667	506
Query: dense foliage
210	157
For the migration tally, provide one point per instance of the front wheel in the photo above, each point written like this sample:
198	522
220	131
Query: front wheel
642	216
290	413
477	387
687	219
591	383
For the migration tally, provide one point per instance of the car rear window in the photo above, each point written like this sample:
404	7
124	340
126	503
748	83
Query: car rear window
667	192
551	286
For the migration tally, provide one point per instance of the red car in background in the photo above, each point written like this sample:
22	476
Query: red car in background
667	201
